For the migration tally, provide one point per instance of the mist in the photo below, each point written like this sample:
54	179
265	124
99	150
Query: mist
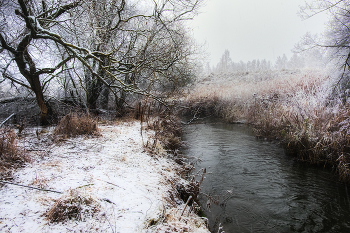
253	29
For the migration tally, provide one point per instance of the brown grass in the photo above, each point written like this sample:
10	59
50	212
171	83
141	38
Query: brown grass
168	132
11	156
73	125
73	206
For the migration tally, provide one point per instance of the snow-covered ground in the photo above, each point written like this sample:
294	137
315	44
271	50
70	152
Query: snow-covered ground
130	188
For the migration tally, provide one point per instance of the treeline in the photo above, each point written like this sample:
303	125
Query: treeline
313	58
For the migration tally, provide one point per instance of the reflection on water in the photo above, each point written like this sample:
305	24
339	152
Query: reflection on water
259	188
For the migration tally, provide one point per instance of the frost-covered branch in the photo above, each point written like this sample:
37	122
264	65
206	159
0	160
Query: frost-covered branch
108	46
52	70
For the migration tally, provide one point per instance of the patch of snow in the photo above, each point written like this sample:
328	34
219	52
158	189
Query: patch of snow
129	185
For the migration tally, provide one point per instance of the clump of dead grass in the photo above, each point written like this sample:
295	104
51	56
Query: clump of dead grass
73	125
179	219
11	156
168	133
182	214
73	206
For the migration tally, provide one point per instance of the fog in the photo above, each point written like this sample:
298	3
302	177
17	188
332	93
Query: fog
252	29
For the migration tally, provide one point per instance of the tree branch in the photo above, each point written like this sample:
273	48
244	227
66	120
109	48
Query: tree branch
327	8
6	46
52	70
7	76
23	8
63	9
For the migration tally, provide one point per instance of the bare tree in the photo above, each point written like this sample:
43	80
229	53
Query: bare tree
337	37
111	44
149	48
281	62
225	62
17	48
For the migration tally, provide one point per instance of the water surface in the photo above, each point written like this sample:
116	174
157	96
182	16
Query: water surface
259	189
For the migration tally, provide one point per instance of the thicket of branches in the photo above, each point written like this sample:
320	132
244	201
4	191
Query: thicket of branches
336	41
93	51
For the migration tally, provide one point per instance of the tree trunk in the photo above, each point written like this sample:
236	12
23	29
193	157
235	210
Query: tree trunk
104	97
35	85
104	90
24	60
119	102
93	87
43	110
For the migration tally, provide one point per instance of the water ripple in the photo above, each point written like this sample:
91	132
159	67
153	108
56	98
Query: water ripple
269	192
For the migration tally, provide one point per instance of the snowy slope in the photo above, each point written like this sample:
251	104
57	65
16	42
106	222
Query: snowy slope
129	187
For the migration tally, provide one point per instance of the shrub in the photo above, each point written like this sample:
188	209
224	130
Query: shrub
167	131
73	125
11	157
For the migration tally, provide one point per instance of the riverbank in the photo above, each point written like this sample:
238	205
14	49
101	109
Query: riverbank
291	106
105	183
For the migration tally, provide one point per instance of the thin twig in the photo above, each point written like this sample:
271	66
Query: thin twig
111	183
111	226
188	200
7	119
46	190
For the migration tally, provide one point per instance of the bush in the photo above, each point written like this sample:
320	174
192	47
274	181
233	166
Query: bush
168	132
11	157
73	125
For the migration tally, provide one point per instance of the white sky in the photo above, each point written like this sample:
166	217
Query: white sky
252	29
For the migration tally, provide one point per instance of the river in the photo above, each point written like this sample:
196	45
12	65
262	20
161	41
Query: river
255	187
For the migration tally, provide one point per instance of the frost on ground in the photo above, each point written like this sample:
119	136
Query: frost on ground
107	184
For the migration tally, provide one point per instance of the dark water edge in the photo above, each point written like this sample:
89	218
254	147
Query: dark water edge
253	186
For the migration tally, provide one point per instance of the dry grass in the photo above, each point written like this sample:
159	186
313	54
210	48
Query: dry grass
11	157
73	125
178	220
290	107
167	136
72	206
183	217
39	181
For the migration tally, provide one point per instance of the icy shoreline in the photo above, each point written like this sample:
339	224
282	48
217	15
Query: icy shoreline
131	188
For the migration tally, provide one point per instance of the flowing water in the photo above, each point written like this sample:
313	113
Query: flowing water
252	186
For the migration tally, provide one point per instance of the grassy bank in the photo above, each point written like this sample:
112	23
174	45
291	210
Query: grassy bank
289	106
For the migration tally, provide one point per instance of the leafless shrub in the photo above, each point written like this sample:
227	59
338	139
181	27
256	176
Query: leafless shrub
73	125
11	157
168	133
189	192
72	207
198	107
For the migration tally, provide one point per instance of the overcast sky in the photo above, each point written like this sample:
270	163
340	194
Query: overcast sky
252	29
